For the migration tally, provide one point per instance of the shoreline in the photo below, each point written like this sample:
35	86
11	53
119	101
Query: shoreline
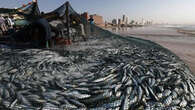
183	45
184	50
188	32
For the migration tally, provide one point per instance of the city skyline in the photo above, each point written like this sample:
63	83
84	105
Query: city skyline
168	11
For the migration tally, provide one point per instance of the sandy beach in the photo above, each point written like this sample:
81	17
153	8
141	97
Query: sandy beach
181	44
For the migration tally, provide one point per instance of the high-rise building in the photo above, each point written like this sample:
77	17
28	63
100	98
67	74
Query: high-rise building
143	22
119	21
127	21
114	22
124	18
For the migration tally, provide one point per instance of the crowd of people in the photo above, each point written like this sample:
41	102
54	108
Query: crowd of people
6	24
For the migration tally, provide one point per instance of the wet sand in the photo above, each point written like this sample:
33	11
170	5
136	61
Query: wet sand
182	45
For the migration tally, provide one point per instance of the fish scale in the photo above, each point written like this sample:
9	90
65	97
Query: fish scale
183	103
125	103
168	100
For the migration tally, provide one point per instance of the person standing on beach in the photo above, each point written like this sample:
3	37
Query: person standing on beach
91	22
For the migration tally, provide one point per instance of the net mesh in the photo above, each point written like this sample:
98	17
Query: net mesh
31	10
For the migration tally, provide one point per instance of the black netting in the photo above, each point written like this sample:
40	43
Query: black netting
31	10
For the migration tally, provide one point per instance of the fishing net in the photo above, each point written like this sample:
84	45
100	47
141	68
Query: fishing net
106	72
28	11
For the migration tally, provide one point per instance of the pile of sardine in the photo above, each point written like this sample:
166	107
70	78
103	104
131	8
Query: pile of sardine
95	75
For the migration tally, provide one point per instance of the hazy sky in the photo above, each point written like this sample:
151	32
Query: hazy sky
171	11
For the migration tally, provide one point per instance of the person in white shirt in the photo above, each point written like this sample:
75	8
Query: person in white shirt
10	22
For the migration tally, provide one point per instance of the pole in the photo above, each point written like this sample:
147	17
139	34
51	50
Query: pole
67	20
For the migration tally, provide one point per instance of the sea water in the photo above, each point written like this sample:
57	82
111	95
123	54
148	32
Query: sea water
169	30
182	27
158	33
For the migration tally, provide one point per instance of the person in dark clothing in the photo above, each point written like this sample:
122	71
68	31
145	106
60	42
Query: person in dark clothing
91	21
42	33
36	35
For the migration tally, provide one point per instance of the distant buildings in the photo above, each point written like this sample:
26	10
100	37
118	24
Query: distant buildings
125	20
132	22
149	22
119	22
114	22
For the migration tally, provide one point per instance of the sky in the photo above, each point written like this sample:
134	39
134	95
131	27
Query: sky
161	11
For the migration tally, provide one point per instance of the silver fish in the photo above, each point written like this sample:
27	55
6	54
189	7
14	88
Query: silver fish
168	100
